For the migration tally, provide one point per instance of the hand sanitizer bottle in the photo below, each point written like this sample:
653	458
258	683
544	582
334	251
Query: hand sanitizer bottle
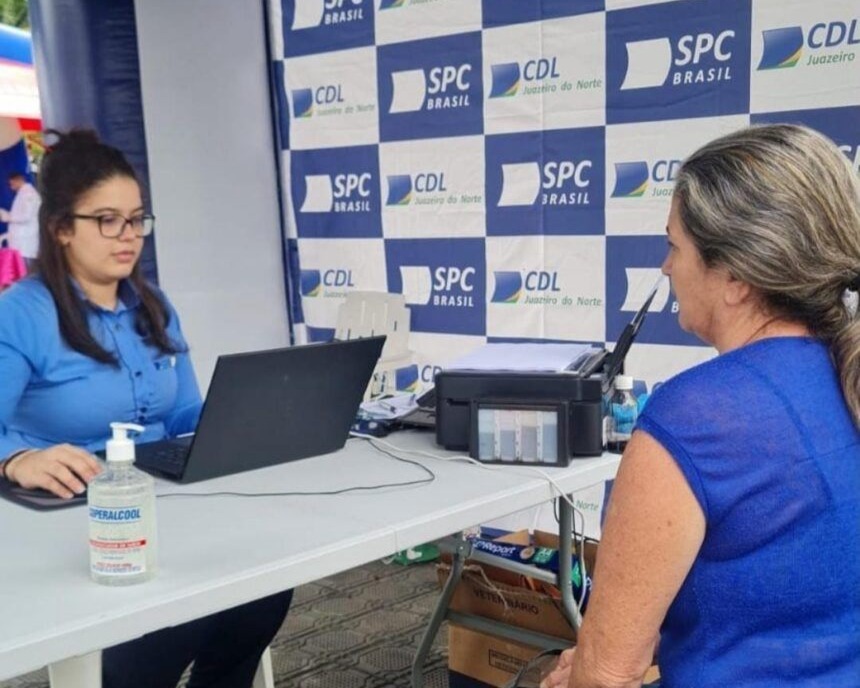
623	411
121	501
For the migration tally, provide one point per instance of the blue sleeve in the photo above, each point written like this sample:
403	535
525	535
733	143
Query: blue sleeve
19	354
676	416
185	413
15	374
683	460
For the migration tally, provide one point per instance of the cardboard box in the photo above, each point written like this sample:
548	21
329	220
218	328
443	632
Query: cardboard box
502	595
480	660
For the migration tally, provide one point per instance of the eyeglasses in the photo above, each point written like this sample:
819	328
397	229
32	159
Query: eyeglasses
112	225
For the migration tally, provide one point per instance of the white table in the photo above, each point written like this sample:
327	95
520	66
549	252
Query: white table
218	552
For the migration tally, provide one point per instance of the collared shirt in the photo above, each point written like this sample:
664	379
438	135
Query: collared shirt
23	219
51	394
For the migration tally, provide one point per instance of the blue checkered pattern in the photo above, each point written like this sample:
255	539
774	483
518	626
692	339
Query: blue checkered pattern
508	165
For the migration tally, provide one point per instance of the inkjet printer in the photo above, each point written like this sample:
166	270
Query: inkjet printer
548	417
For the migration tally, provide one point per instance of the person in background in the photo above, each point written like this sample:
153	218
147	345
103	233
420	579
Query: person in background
733	528
23	218
87	341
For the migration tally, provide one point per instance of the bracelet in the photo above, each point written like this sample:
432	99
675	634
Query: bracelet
8	460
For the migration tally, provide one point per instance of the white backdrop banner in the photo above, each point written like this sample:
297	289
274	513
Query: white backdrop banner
508	165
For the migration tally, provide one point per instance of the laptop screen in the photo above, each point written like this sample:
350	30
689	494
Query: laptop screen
269	407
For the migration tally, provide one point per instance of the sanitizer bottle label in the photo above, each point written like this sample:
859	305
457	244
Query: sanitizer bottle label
118	540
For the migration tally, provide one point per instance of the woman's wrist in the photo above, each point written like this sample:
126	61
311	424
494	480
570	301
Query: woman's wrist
7	463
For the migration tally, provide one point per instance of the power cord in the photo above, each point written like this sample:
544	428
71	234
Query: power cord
510	469
431	476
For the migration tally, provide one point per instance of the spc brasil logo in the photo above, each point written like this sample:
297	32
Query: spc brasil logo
534	288
342	193
336	192
328	283
448	286
632	179
693	59
551	182
557	182
674	60
632	270
443	282
432	86
313	27
828	43
444	87
313	13
534	77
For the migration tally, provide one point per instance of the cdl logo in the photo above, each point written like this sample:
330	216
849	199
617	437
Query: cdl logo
437	88
696	58
640	282
558	182
312	281
406	379
510	284
783	47
343	193
506	76
401	186
312	13
427	373
304	99
443	286
631	178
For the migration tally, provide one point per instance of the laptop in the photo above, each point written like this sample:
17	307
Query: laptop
263	408
270	407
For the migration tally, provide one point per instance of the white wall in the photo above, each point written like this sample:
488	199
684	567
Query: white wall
212	174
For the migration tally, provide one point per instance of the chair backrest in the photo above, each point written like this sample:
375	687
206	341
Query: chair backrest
370	313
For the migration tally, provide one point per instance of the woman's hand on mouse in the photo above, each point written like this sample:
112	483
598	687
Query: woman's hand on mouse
62	469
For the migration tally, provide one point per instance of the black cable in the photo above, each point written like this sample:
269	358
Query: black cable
358	488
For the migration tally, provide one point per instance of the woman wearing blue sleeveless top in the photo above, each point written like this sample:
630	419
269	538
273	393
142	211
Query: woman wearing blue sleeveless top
87	341
731	542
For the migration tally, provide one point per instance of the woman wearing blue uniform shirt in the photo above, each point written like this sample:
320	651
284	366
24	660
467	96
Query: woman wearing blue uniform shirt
731	537
87	341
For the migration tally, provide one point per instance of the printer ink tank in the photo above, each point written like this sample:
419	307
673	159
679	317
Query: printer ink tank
121	503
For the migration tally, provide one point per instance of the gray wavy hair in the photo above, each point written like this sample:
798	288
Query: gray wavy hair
779	207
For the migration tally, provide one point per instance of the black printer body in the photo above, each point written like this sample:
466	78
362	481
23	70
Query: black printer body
457	392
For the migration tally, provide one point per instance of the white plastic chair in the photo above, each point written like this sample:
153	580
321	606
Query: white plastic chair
369	313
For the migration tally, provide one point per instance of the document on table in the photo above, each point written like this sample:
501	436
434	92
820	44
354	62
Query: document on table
547	357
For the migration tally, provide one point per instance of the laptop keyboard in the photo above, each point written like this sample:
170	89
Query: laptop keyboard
168	458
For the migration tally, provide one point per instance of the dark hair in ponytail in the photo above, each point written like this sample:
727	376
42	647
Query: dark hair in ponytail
71	167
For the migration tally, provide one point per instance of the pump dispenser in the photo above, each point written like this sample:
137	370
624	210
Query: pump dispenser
121	503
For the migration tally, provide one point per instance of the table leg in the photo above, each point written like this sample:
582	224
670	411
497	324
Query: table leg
265	676
565	553
77	672
460	554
